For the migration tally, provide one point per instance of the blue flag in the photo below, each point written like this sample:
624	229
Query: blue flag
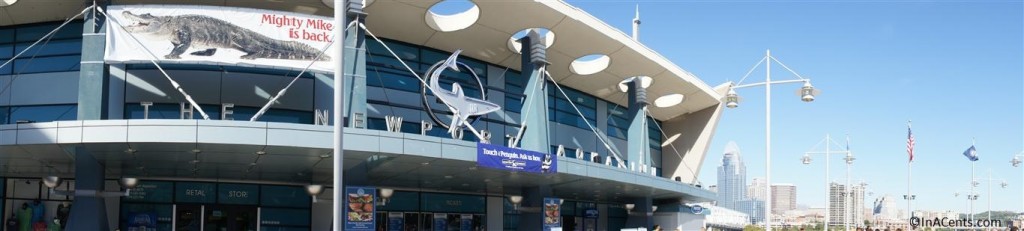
971	154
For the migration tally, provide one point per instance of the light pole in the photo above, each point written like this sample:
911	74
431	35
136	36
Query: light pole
1017	162
909	197
971	197
989	180
828	187
807	93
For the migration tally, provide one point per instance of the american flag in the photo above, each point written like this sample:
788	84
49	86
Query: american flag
910	143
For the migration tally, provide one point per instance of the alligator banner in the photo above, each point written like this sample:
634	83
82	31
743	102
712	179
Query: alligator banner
218	36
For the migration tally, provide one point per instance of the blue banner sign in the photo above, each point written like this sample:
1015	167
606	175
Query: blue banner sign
590	213
396	221
552	209
512	159
360	203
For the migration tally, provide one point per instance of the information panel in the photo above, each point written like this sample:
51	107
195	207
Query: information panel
440	221
151	191
396	221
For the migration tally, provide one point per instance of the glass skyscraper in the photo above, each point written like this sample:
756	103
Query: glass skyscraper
732	178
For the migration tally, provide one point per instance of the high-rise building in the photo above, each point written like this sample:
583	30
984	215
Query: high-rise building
754	208
783	197
838	202
732	178
756	191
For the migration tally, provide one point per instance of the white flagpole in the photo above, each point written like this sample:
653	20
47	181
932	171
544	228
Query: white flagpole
340	8
972	183
910	170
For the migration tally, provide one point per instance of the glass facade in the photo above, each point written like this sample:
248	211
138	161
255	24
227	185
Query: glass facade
215	206
393	90
58	53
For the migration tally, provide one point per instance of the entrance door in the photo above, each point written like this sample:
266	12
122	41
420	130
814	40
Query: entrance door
188	217
230	218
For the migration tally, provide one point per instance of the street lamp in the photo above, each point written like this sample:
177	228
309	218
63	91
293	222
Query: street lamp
971	196
989	182
849	161
911	197
1017	162
807	93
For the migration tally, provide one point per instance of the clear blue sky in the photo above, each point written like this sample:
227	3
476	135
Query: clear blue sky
953	67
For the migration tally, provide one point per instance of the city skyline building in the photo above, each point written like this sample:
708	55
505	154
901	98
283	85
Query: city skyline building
753	208
783	197
732	178
755	191
838	202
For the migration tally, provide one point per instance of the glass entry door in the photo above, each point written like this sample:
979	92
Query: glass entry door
230	218
188	217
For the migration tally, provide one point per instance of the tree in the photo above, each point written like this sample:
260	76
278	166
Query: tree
752	228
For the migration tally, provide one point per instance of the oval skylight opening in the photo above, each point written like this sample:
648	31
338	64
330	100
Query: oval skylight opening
645	82
452	15
590	64
668	100
7	2
515	45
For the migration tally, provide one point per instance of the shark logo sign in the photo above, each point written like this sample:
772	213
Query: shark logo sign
464	109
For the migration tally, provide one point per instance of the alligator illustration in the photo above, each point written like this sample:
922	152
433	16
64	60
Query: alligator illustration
188	31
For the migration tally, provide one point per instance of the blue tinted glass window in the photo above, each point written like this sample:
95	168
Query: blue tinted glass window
6	35
47	64
513	103
565	113
53	47
618	124
35	32
45	113
168	111
385	79
6	70
5	115
272	115
6	51
406	52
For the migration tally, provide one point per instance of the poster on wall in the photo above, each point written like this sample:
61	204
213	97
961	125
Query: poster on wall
466	223
142	221
552	213
360	208
218	35
440	221
396	221
513	159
